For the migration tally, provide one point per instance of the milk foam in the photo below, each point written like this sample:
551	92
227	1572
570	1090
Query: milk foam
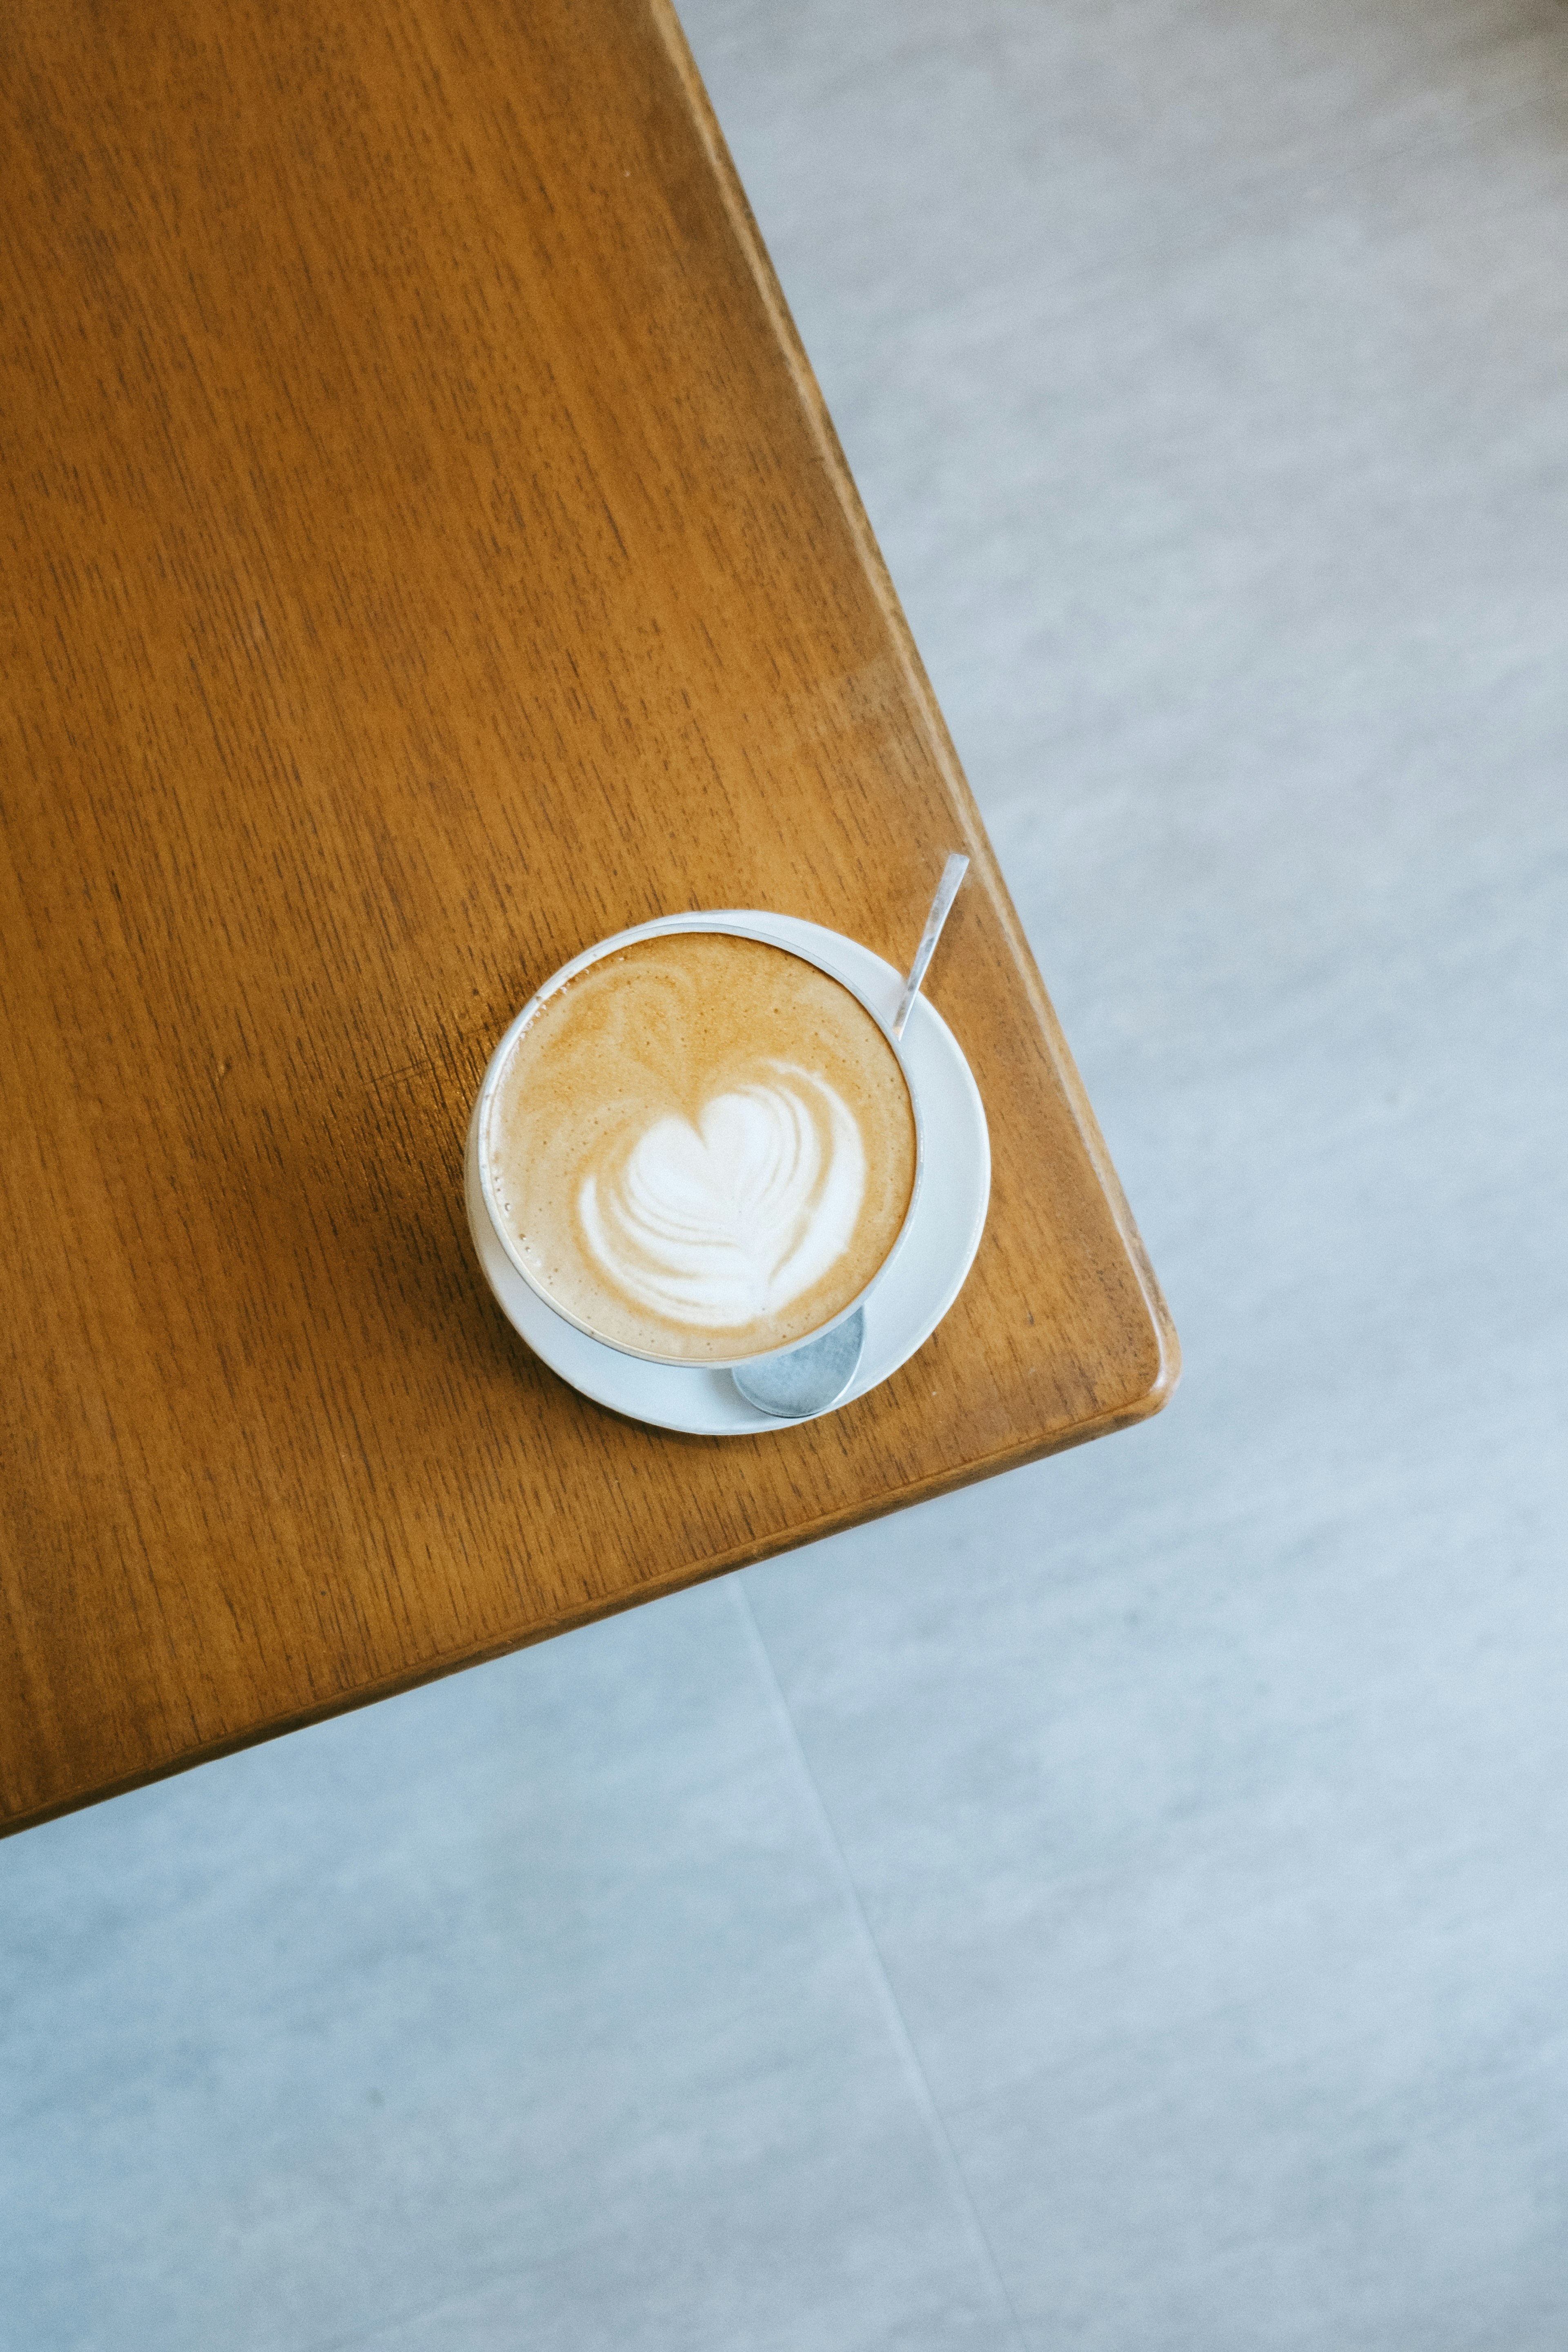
703	1147
726	1221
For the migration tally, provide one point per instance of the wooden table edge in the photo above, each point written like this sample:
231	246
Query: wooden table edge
987	872
969	1473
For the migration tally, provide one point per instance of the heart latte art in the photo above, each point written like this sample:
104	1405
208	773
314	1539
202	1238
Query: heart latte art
703	1147
727	1221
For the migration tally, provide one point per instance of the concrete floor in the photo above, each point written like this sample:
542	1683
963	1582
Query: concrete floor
1121	1908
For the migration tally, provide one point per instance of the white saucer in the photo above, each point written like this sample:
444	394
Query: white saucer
903	1309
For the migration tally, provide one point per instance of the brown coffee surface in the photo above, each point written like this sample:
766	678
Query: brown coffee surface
703	1147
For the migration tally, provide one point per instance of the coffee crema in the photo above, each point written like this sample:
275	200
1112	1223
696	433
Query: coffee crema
701	1147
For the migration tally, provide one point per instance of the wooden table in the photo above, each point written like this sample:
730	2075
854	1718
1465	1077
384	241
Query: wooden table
424	551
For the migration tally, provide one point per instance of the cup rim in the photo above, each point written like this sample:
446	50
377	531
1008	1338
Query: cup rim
733	923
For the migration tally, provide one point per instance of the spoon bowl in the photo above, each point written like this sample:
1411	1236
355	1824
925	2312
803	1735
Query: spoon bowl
809	1378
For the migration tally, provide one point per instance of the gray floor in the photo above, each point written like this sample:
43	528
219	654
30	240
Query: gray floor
1122	1908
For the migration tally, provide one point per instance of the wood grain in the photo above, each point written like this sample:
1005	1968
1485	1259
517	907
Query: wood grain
424	551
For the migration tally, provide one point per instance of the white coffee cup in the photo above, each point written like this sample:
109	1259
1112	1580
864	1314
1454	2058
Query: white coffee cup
747	924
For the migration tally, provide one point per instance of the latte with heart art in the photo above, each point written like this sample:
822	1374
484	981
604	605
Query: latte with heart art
701	1147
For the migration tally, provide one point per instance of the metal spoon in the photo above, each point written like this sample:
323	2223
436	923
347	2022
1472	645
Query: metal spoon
814	1375
811	1377
953	873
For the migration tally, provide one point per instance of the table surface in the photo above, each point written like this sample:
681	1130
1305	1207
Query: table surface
426	552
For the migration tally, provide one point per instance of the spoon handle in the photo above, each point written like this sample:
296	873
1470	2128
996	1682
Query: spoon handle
953	873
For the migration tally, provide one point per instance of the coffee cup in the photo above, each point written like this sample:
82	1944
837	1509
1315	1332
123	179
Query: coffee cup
699	1143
